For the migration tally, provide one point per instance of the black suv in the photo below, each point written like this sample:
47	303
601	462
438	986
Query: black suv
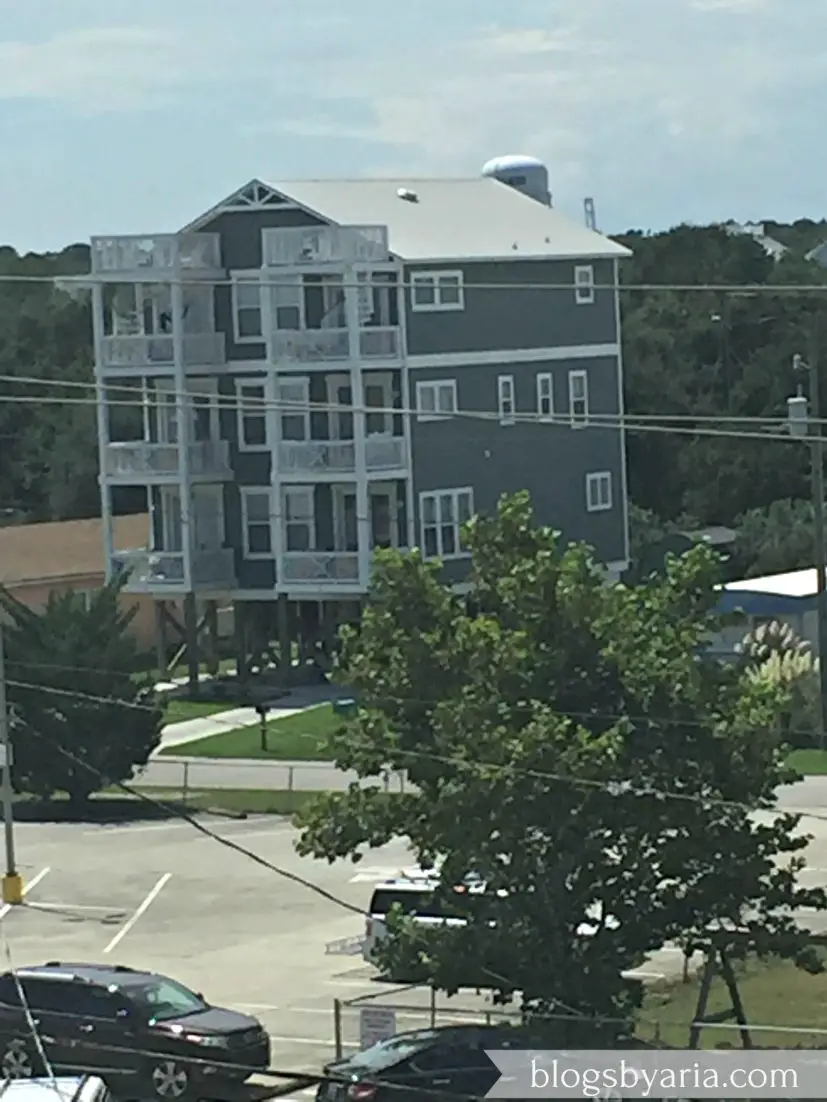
85	1013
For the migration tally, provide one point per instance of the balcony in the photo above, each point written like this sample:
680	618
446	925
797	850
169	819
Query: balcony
308	346
380	343
163	571
336	457
313	245
157	256
141	461
143	353
315	567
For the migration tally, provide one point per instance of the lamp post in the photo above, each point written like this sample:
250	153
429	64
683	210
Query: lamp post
805	419
12	881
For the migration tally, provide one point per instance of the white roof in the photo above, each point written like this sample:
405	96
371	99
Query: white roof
798	583
475	218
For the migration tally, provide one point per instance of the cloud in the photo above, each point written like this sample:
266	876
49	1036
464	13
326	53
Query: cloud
97	70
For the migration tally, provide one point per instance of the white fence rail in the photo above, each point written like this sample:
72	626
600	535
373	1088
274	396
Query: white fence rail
181	776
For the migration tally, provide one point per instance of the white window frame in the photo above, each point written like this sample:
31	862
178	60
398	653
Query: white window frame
506	400
434	279
309	519
243	411
599	491
246	279
301	382
246	493
545	396
578	417
429	411
584	284
436	496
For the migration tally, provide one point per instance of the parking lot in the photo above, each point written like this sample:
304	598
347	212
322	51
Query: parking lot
161	896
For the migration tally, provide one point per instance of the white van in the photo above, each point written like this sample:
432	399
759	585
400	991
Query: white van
415	895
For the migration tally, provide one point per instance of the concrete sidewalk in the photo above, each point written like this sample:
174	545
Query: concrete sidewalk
299	700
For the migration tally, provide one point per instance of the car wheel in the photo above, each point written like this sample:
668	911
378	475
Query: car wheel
169	1079
17	1062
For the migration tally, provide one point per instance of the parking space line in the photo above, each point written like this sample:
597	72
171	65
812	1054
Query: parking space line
35	880
142	909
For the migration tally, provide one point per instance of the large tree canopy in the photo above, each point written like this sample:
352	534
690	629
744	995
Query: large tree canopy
569	745
72	686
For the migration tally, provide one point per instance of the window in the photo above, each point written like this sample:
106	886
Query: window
299	519
257	523
443	515
246	304
436	399
165	999
599	491
252	417
294	408
578	398
584	284
431	291
505	399
545	396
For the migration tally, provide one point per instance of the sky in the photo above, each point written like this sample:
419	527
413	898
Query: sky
119	116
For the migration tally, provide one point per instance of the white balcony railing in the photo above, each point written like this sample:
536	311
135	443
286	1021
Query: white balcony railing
384	453
163	254
199	350
150	571
144	460
311	245
318	456
380	343
307	567
310	345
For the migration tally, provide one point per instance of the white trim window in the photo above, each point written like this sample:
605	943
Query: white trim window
433	291
584	284
545	396
294	407
436	399
252	417
299	518
442	516
578	399
598	491
506	404
245	293
256	522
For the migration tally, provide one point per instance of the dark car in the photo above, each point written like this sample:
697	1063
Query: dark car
449	1059
136	1030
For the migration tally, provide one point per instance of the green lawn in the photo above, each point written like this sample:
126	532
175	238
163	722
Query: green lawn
178	711
812	763
775	993
235	801
300	737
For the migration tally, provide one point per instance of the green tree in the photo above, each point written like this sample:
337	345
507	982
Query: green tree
776	539
73	686
541	732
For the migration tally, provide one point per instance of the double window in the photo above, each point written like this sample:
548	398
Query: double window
545	396
584	284
294	408
578	398
252	417
256	522
442	516
432	291
436	399
599	491
246	307
299	518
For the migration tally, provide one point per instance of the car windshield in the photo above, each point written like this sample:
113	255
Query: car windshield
393	1051
165	999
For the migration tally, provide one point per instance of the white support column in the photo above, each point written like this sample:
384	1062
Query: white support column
407	405
358	399
272	419
624	473
103	427
182	410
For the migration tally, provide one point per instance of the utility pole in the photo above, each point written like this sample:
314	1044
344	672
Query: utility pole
811	422
12	880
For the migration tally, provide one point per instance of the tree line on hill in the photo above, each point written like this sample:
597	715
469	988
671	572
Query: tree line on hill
687	353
